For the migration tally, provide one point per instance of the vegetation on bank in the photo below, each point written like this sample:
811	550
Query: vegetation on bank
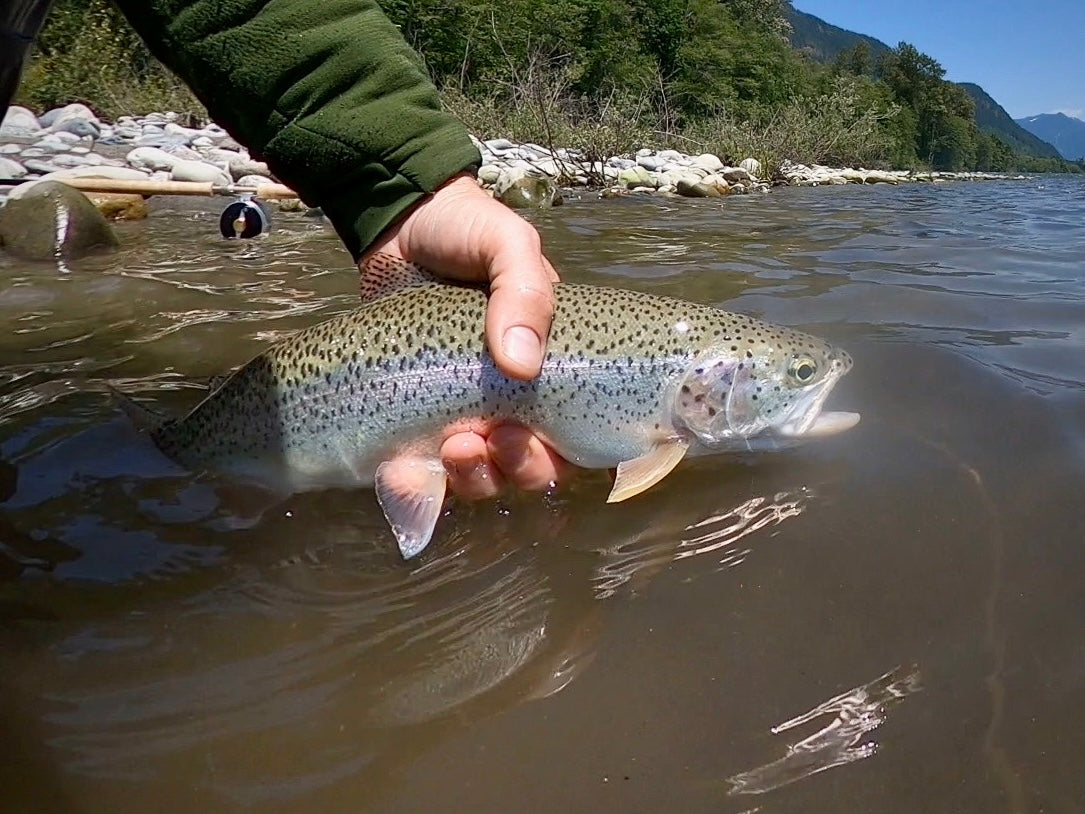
607	77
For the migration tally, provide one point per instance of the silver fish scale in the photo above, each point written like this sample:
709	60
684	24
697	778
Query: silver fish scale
330	402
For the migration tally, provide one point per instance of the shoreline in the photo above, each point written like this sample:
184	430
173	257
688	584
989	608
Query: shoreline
72	142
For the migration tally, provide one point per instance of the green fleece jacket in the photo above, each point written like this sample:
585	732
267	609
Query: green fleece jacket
327	92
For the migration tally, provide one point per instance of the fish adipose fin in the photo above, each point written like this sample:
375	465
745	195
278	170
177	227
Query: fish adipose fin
638	474
145	418
410	492
384	274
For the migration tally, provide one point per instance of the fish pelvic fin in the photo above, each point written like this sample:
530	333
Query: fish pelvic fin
639	474
383	274
143	417
411	492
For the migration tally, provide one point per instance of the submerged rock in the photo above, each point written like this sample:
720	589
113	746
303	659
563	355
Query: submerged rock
52	220
527	192
119	205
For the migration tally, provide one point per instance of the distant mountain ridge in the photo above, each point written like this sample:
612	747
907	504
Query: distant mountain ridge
1065	132
992	118
824	42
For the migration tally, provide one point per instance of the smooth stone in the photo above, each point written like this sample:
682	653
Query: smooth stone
735	174
67	161
76	110
119	206
707	162
243	165
752	166
151	158
41	166
650	162
187	133
250	181
81	128
489	173
52	220
672	155
34	152
11	169
182	151
199	172
10	149
499	144
51	145
635	176
19	121
528	192
696	189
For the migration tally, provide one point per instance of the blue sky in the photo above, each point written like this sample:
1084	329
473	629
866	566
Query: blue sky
1030	56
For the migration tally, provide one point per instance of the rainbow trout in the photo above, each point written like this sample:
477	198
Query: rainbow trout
630	381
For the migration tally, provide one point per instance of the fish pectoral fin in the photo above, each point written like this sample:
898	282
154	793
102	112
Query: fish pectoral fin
638	474
383	274
410	492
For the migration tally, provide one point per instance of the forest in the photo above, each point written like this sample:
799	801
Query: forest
606	77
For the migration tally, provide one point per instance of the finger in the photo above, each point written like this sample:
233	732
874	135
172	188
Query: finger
471	472
521	307
524	460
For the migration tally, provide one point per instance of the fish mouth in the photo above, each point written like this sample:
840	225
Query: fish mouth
807	420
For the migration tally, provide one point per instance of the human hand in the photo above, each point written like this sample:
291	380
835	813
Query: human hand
462	233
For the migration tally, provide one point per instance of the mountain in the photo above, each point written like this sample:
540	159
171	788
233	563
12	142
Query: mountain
1065	132
823	42
993	119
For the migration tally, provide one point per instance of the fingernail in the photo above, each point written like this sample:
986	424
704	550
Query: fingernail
523	346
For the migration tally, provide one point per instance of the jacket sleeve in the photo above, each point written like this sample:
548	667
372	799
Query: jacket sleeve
327	92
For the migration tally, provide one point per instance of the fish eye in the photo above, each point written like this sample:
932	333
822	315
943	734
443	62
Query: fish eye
803	369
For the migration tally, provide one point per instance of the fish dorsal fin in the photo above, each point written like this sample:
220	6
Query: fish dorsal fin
638	474
145	418
383	274
410	492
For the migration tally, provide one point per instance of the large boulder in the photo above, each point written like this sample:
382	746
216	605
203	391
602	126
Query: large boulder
18	121
53	221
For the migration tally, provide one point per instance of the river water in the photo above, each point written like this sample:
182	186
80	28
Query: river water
891	620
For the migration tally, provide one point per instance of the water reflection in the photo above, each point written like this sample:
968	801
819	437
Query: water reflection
856	712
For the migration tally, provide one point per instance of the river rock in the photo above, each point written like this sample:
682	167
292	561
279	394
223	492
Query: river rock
76	110
752	166
689	188
52	221
527	191
19	122
119	206
11	169
41	166
82	128
241	165
200	172
151	158
636	176
707	162
734	175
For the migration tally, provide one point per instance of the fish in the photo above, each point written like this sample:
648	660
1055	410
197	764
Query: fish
631	381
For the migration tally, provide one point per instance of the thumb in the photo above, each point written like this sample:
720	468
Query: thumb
521	307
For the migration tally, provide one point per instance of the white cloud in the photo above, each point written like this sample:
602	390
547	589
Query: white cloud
1076	112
